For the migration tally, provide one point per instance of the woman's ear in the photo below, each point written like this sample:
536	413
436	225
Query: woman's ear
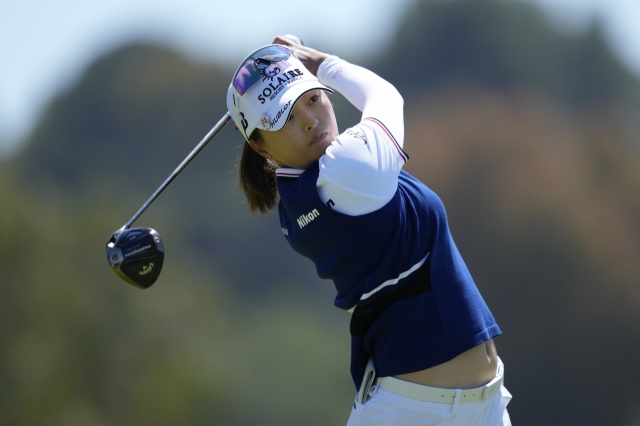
259	148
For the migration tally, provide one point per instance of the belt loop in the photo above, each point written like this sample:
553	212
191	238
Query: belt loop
375	387
456	402
367	381
500	371
494	385
454	408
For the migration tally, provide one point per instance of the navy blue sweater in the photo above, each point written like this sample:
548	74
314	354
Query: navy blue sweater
414	302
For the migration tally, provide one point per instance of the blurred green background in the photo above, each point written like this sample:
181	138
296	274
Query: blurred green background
530	135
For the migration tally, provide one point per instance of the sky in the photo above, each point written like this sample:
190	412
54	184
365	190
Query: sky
46	45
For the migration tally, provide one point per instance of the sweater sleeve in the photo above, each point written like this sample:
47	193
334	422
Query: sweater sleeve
359	171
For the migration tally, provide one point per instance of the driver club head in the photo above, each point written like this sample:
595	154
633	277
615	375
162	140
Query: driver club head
136	255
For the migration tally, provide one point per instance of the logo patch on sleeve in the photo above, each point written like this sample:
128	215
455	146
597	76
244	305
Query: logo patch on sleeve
356	134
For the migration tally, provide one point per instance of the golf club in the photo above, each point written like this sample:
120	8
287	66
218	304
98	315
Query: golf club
136	254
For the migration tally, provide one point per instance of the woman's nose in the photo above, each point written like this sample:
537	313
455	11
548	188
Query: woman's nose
310	121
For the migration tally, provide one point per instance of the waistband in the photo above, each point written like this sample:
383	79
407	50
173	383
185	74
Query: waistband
442	395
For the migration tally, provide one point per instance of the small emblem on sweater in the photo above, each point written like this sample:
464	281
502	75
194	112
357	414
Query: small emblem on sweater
363	311
356	134
306	219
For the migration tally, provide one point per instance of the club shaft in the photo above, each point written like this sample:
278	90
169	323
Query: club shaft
178	169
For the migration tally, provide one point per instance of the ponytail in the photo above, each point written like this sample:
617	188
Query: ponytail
257	177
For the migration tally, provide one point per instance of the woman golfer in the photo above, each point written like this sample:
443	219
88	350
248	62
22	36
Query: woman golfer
422	348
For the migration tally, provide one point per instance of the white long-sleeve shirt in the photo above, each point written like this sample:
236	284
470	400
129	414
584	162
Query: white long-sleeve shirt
359	170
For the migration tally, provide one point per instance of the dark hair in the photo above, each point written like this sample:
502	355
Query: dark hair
257	177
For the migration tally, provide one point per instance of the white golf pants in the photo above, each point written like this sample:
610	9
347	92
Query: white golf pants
384	408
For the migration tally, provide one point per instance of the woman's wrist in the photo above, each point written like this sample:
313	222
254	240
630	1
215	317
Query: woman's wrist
311	58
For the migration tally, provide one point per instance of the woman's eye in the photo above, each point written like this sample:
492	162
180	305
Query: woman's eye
290	117
313	98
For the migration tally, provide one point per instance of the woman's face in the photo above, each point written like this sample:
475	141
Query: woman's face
304	139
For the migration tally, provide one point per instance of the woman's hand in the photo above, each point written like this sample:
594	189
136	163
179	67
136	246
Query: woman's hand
309	57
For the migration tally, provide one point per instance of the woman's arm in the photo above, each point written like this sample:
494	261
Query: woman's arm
368	92
359	170
371	94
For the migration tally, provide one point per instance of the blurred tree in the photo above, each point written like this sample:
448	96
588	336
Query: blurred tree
505	45
78	346
544	204
136	110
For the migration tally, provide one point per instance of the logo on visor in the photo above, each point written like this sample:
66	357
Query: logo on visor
265	123
266	69
276	85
